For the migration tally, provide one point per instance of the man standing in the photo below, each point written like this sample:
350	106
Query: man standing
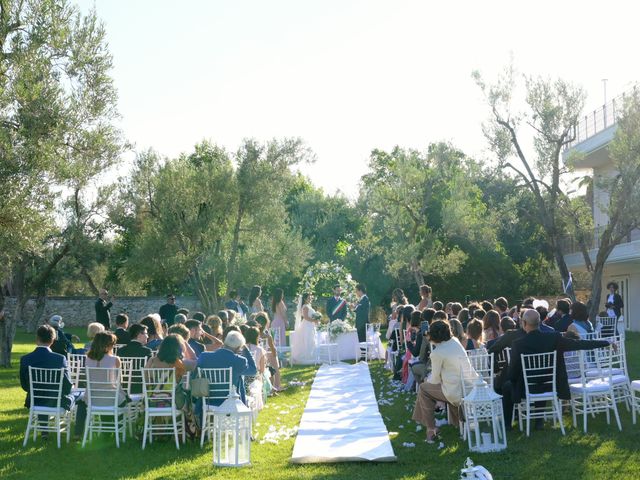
233	303
362	312
336	305
103	314
169	310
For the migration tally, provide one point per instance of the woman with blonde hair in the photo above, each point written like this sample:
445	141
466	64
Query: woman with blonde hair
92	329
154	329
458	330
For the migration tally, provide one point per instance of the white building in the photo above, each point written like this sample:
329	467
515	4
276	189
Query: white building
594	133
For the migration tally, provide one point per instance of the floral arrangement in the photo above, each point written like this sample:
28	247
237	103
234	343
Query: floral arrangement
238	320
336	328
317	316
319	279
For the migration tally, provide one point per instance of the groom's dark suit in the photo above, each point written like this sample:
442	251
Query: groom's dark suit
332	303
362	317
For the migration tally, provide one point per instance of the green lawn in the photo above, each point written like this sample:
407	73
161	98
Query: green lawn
603	453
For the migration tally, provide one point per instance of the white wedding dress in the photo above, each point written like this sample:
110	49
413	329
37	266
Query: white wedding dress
303	346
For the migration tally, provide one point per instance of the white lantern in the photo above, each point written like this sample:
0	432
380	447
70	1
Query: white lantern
484	419
232	433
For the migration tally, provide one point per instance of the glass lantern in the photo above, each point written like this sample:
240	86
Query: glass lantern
484	419
232	433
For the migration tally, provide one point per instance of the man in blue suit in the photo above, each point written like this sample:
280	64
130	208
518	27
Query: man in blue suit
234	354
43	357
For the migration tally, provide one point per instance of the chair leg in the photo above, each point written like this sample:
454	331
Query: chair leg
26	434
615	412
175	429
204	425
116	424
87	422
559	411
146	427
58	433
528	418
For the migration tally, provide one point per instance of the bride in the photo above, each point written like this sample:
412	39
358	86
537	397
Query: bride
303	347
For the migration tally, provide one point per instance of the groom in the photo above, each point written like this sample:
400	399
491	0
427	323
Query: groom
362	312
336	305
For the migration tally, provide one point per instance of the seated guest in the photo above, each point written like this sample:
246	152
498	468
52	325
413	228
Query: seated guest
234	354
562	319
122	323
195	335
62	343
182	330
506	324
502	306
456	308
101	356
179	319
171	354
438	305
137	346
215	324
486	305
224	318
414	339
580	323
199	316
535	341
479	314
440	315
464	317
92	329
426	318
448	360
491	325
457	330
154	331
43	357
474	334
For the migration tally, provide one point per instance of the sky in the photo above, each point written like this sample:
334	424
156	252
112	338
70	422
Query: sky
347	76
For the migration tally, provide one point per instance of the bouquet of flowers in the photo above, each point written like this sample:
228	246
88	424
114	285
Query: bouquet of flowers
336	328
317	316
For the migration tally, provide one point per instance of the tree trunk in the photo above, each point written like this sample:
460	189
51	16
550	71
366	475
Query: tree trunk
417	272
41	301
90	282
7	333
233	257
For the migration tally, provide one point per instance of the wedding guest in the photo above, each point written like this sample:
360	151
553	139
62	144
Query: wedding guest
491	325
273	362
122	323
171	354
456	308
448	361
169	310
506	324
474	333
199	316
580	323
195	335
535	341
234	354
425	298
92	329
103	309
502	305
182	330
137	346
62	343
101	356
279	309
154	330
479	314
215	324
486	305
183	311
179	319
463	316
224	318
447	309
255	303
438	305
233	303
458	331
426	318
259	385
614	303
441	315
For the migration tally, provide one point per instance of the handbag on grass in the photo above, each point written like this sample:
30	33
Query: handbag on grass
199	387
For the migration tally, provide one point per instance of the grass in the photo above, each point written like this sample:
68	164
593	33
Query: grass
603	453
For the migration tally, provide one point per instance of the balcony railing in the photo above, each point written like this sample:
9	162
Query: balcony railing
571	245
598	120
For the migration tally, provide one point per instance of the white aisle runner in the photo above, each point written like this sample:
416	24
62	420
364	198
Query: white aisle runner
341	422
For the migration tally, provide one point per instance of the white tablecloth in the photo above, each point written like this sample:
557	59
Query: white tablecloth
348	345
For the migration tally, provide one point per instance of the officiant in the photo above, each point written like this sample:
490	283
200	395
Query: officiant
336	305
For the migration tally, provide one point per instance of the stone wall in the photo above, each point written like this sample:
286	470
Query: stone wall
80	311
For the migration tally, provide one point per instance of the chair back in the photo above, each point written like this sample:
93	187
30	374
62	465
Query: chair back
220	382
103	387
159	387
502	359
598	363
45	386
607	326
401	342
118	346
131	368
573	361
482	363
77	373
539	372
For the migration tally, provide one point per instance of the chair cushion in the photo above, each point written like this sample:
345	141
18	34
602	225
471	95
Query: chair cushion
49	410
618	379
635	385
539	396
136	397
604	371
594	386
